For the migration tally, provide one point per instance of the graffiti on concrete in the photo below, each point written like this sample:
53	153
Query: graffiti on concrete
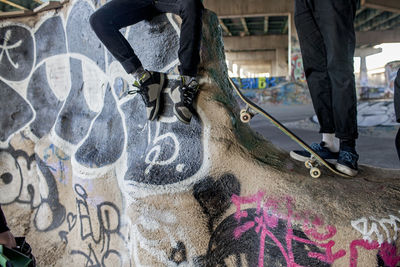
267	218
17	52
62	82
19	173
286	93
375	92
382	230
208	193
12	117
391	69
387	253
267	236
374	113
169	150
159	235
108	220
298	73
258	83
379	113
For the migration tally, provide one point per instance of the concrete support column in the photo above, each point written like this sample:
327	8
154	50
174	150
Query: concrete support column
363	71
280	64
241	73
363	53
229	65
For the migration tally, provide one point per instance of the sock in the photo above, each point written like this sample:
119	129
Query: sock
186	80
331	142
348	144
139	73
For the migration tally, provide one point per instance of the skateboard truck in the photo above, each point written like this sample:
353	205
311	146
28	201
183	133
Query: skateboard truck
313	164
247	114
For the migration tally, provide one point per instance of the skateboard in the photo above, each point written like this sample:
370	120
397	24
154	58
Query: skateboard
313	163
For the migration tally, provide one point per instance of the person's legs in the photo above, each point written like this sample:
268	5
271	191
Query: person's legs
106	23
397	109
191	12
335	20
110	18
315	67
6	237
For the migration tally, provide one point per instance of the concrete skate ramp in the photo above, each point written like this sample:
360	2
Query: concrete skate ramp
91	182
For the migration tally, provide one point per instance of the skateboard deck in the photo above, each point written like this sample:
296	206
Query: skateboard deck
315	160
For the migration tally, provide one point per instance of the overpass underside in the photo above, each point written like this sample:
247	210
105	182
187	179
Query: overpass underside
260	36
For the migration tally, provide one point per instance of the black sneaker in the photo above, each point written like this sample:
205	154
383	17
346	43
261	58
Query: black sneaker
320	149
347	162
149	86
183	97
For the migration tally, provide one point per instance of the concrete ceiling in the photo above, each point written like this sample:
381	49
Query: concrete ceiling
257	29
265	17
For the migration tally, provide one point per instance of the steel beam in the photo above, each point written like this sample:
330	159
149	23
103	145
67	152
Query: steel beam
387	5
224	27
255	43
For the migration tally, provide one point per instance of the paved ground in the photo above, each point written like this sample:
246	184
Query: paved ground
375	151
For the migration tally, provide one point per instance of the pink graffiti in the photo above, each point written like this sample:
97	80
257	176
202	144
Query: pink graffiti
267	219
387	252
360	243
389	255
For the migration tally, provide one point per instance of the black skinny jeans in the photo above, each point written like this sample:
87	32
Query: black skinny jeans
116	14
3	223
397	109
327	41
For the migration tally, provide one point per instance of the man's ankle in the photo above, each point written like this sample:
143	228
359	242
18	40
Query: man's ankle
348	145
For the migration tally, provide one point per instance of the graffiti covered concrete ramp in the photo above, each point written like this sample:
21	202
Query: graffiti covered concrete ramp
91	182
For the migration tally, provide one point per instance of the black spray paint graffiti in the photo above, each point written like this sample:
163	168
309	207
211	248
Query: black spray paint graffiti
178	254
72	89
215	196
109	225
20	185
224	248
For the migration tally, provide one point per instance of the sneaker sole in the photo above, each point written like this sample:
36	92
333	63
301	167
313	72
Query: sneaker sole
346	170
298	157
180	118
157	107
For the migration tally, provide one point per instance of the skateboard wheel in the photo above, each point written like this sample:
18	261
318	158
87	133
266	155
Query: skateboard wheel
315	173
308	164
243	111
245	117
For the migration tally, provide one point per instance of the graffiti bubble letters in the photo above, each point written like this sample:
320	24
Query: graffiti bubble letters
5	48
370	228
267	219
17	52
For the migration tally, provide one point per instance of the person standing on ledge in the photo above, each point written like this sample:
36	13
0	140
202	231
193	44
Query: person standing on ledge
397	109
6	237
116	14
327	42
